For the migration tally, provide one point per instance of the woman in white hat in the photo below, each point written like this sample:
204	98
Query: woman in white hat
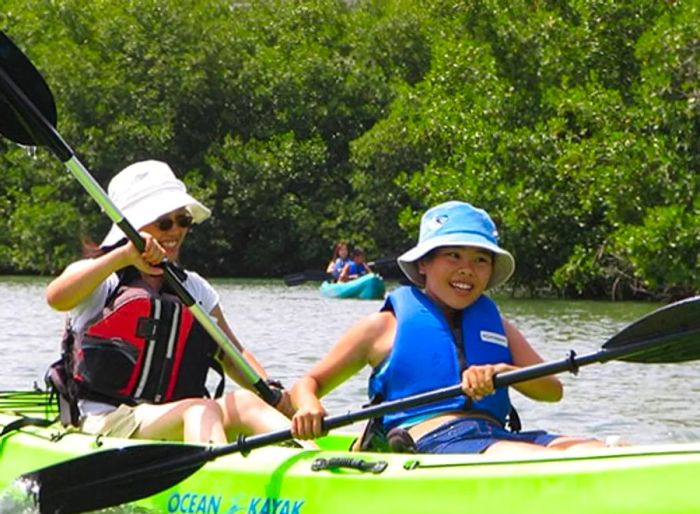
134	361
440	332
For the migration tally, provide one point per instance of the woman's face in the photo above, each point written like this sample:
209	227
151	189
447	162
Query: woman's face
343	251
170	230
456	276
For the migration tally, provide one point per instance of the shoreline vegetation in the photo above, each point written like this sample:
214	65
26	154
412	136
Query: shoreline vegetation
576	124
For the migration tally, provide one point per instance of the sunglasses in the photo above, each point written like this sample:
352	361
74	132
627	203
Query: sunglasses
183	221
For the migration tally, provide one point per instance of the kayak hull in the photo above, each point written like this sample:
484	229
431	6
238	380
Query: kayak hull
275	479
366	287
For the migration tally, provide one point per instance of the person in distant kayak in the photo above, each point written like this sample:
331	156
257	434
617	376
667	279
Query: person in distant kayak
356	267
135	361
441	331
339	259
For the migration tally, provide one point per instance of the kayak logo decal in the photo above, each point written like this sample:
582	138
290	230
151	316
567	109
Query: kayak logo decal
263	505
235	507
196	503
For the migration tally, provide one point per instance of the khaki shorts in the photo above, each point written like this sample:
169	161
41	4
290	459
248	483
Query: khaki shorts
121	422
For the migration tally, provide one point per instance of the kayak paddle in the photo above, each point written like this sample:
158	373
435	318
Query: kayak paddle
111	477
295	279
28	116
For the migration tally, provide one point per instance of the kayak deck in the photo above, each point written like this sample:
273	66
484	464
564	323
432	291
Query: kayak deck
276	479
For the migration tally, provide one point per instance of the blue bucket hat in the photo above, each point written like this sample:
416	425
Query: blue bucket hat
457	224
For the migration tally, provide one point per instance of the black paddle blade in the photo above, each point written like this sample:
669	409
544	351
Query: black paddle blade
668	334
384	262
111	477
22	72
295	279
299	278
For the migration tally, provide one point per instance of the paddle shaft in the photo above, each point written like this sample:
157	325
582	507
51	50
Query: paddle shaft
296	279
187	462
382	262
183	464
44	133
570	363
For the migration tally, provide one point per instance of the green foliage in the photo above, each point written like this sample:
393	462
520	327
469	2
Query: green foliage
541	114
252	176
576	124
38	225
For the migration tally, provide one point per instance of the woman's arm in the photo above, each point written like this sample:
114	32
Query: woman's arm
80	279
344	273
229	365
285	405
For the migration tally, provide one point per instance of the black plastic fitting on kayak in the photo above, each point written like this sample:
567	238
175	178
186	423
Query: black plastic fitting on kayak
573	365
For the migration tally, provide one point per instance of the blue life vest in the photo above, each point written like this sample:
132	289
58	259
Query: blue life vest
338	266
424	355
356	269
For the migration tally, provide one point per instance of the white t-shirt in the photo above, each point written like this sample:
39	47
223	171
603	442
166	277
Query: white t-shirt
198	287
201	290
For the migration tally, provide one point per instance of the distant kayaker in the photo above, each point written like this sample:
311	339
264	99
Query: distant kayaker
340	257
356	267
439	332
149	381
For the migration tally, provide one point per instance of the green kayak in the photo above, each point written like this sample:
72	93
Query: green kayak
366	287
283	480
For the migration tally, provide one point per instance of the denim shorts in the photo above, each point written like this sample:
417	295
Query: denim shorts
474	435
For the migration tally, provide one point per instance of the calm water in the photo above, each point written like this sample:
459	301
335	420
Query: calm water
289	328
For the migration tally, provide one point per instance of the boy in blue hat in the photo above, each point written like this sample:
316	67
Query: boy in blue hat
439	332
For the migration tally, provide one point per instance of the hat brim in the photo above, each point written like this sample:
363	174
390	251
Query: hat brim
503	265
142	213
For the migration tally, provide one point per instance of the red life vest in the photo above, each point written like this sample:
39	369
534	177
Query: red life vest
145	346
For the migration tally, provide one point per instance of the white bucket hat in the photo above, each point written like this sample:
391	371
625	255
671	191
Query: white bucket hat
146	190
457	224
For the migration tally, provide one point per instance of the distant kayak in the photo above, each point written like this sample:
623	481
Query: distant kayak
367	287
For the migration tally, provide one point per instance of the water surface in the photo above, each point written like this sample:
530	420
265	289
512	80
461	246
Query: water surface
289	328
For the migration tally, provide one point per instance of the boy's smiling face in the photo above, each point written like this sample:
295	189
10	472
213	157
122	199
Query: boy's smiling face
456	276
